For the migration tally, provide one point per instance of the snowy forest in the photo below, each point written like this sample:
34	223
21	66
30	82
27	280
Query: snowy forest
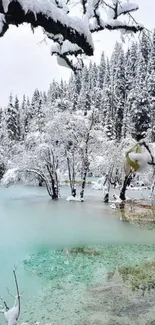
82	127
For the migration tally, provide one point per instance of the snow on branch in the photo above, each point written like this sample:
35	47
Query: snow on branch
64	50
48	15
72	35
12	314
10	177
124	8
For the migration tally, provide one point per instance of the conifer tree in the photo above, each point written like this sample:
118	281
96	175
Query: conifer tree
119	89
101	71
12	119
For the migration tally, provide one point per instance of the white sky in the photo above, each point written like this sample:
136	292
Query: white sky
26	64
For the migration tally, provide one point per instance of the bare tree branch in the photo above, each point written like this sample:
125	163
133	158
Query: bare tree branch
18	294
5	304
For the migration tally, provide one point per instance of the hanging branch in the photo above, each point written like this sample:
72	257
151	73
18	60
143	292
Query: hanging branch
54	19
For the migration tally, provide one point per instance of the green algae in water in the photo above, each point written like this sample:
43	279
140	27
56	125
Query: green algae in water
85	264
141	276
76	265
83	285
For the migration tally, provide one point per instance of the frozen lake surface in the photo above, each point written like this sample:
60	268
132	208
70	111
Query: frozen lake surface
32	225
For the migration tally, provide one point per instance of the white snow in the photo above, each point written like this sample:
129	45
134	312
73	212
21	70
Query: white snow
66	47
2	21
113	206
98	185
127	7
114	22
141	158
72	198
6	4
49	9
137	188
10	177
11	315
69	47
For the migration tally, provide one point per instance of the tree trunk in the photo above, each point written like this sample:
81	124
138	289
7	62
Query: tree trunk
54	186
40	182
71	176
84	181
126	183
54	190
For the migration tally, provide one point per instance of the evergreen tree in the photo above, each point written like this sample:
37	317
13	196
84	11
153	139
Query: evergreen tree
119	89
151	94
12	119
35	103
16	108
140	114
28	117
151	61
140	107
145	46
108	123
130	67
101	71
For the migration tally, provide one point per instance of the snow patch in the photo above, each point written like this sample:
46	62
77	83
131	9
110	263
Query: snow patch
72	198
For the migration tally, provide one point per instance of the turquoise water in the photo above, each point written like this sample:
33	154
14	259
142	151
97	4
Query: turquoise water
32	226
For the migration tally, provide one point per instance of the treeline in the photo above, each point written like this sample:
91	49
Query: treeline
120	92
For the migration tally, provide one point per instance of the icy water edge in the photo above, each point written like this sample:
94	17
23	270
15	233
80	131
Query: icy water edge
65	287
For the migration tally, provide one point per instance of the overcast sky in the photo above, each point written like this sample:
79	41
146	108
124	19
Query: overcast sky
26	64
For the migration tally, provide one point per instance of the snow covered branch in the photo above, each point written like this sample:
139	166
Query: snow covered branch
12	314
73	35
46	14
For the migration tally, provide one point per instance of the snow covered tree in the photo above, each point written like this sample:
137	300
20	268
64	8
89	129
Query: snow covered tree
151	61
145	46
119	89
140	107
140	115
130	67
12	119
151	98
35	103
101	71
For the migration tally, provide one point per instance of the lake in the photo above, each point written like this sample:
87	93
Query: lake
32	227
